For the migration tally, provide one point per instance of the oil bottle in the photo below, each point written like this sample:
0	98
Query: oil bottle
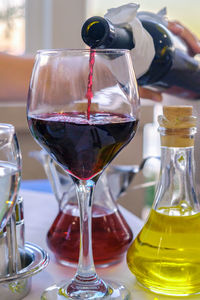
164	257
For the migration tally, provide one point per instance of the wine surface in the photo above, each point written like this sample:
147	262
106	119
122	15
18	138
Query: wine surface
111	235
83	147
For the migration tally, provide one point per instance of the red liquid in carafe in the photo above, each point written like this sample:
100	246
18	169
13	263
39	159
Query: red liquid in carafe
111	236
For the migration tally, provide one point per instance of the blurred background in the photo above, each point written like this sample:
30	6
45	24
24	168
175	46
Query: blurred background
29	25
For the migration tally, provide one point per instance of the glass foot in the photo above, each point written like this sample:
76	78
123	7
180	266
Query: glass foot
75	264
114	291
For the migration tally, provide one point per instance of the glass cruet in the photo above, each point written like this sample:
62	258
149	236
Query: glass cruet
110	230
165	255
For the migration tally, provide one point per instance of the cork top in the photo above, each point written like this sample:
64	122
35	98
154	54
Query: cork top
177	117
176	125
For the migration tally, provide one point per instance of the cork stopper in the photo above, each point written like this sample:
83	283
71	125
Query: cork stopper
176	125
82	106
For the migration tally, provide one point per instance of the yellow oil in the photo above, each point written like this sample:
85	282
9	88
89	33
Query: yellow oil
165	256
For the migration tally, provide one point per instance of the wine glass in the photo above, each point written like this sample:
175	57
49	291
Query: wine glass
83	108
10	171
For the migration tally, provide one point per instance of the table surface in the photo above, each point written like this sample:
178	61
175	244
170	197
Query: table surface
40	209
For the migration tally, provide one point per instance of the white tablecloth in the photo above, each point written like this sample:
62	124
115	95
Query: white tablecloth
40	211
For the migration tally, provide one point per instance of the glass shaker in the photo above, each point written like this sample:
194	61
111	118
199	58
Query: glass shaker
165	255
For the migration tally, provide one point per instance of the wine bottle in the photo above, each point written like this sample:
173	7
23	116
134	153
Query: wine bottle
173	70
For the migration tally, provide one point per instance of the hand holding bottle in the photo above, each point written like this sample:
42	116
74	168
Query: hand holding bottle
190	38
193	43
166	65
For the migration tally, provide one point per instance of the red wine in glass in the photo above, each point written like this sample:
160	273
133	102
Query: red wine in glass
83	147
111	235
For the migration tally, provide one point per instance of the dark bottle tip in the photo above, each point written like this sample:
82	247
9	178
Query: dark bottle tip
94	31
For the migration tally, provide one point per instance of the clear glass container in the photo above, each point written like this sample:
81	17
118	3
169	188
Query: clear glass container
111	231
165	255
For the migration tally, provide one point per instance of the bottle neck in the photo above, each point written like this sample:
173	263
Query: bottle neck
176	193
98	32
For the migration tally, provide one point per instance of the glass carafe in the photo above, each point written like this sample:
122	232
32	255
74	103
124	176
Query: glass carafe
165	255
111	233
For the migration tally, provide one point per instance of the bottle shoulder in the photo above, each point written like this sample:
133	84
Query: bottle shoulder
164	52
158	31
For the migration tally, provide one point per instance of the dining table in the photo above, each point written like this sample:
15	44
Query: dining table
40	209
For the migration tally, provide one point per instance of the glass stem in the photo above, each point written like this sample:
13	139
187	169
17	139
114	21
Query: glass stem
85	284
85	190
